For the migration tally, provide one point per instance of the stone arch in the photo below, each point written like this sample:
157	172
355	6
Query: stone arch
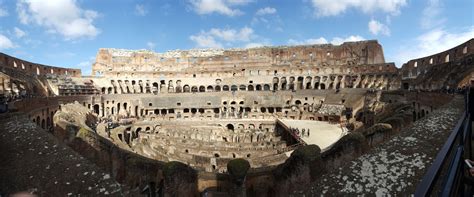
299	82
217	88
155	87
43	125
230	127
251	126
242	88
258	87
96	108
202	89
283	83
250	88
186	88
194	89
210	89
266	87
225	88
233	88
308	82
322	86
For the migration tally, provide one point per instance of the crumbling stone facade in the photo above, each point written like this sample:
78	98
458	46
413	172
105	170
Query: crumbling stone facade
204	108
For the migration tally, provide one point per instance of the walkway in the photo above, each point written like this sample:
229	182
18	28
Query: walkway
397	166
33	160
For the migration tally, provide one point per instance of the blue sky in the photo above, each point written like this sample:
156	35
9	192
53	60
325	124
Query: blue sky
68	33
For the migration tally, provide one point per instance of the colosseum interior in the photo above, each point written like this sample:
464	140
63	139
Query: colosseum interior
263	121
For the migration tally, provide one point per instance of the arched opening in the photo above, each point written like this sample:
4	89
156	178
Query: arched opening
266	87
43	125
210	88
202	89
96	108
225	88
137	132
242	88
186	88
155	88
322	86
230	127
233	88
250	88
157	111
258	87
194	89
299	84
218	88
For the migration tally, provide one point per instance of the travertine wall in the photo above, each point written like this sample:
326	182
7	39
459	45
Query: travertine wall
439	71
112	61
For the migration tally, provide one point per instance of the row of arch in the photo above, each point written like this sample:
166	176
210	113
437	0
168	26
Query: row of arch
278	83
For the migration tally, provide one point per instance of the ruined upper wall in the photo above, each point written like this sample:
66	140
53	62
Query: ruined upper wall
442	70
348	53
414	67
30	68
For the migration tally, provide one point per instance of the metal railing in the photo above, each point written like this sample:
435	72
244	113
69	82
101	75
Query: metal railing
445	177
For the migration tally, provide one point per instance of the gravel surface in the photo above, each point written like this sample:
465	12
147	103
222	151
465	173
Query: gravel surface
32	159
396	166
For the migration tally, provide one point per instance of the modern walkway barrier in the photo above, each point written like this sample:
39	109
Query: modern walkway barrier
446	176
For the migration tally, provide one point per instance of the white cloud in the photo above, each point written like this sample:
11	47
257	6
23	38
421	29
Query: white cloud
322	40
433	42
333	8
431	15
267	17
254	45
376	27
3	11
232	35
63	17
224	7
338	40
205	41
18	32
151	45
265	11
217	38
140	10
5	43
